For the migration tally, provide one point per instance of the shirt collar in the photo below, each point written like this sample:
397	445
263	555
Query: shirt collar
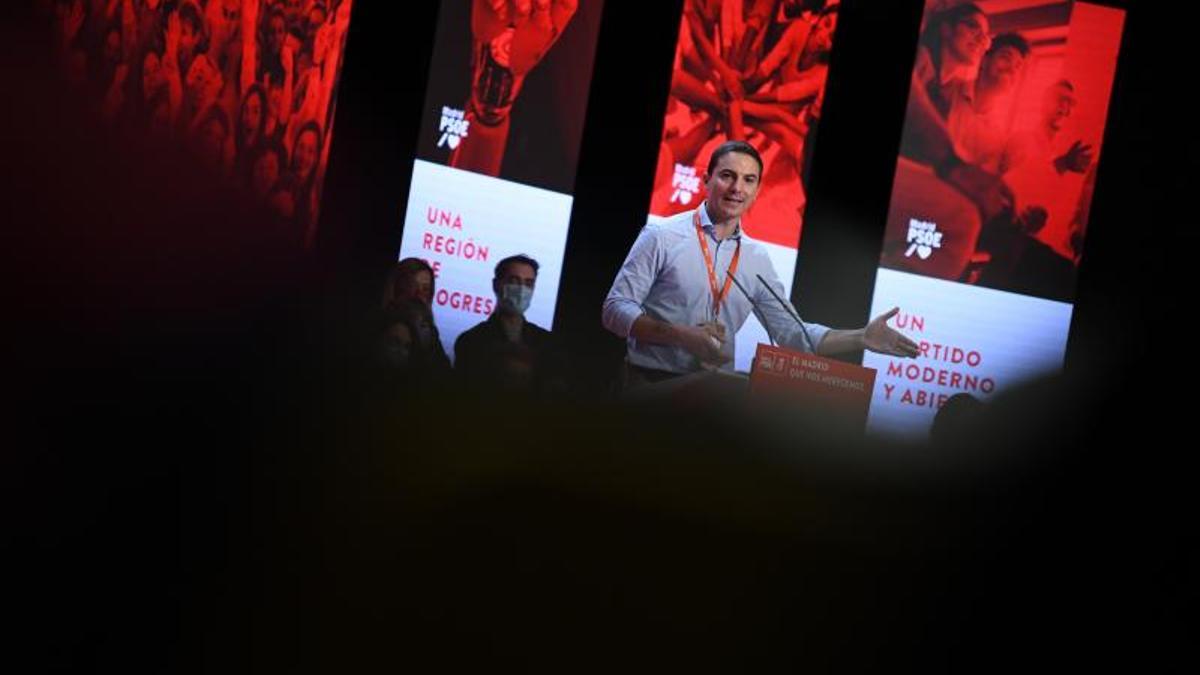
707	223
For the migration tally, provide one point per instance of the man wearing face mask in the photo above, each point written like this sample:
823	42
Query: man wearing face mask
507	352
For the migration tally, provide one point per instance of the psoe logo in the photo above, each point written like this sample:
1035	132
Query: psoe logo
923	238
453	127
685	183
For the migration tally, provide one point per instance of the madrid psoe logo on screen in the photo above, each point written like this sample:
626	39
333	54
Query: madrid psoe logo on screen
453	127
686	184
923	238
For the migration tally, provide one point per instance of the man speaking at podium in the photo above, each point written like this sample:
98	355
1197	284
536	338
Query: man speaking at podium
674	298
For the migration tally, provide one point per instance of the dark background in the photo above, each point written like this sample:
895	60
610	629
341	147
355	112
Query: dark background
195	479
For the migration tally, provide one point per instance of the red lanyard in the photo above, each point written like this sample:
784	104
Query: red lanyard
718	295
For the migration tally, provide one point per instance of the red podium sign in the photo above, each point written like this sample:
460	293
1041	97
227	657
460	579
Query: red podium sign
820	384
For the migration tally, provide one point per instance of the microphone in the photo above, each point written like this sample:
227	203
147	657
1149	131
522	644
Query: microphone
757	311
788	308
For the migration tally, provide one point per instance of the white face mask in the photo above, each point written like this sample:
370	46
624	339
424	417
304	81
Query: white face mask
515	297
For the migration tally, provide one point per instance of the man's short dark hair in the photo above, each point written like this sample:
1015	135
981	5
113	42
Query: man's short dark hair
1013	40
734	146
519	258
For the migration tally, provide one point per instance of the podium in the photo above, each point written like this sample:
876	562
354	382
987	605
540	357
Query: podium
819	388
784	387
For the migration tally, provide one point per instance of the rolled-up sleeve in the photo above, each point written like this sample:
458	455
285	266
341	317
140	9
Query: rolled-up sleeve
633	283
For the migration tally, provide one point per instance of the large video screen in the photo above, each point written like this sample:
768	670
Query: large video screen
498	150
991	198
752	71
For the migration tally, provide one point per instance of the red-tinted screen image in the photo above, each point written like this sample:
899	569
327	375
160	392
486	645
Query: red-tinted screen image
754	71
1001	142
508	90
247	86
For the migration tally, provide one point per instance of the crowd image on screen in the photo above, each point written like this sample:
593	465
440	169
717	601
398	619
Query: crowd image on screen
246	86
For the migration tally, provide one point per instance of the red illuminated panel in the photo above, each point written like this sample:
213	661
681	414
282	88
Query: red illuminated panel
507	92
747	71
991	200
1002	138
